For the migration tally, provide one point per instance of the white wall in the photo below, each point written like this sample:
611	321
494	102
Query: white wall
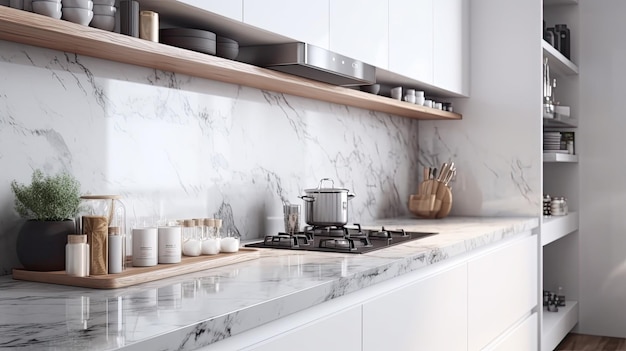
602	169
497	145
181	147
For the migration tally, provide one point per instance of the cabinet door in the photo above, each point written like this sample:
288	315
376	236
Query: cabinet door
302	20
430	314
359	29
451	45
341	331
502	288
523	338
411	39
231	9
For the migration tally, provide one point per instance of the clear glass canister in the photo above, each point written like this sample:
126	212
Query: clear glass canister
103	219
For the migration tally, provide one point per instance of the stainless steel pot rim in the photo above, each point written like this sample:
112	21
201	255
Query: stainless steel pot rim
332	189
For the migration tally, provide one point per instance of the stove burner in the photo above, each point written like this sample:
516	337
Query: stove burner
346	239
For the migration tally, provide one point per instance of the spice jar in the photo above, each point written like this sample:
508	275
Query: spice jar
558	206
77	256
547	205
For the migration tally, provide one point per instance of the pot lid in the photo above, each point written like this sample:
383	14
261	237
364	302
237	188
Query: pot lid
332	189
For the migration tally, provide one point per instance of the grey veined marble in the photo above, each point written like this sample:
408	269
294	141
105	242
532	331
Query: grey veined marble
181	147
198	309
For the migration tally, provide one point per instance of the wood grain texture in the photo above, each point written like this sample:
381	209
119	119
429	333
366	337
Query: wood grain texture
581	342
138	275
33	29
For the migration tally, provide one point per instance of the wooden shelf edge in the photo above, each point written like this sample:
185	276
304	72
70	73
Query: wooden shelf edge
556	325
557	61
555	227
37	30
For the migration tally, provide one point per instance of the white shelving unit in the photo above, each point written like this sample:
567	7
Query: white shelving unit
559	234
557	324
555	157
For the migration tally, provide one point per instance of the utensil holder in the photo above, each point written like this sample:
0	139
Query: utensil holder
434	200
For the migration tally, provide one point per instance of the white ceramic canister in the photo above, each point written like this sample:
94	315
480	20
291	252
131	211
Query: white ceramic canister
145	247
116	250
169	244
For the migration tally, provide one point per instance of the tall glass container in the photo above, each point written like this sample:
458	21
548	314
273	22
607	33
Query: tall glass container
99	217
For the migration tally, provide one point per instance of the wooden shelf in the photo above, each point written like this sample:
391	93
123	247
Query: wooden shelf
555	227
33	29
557	324
558	63
551	157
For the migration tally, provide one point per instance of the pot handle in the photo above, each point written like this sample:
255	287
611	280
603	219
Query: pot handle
319	186
307	198
351	196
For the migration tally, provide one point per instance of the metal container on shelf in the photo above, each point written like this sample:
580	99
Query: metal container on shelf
558	206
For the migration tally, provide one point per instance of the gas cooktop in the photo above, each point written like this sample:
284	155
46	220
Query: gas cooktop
345	239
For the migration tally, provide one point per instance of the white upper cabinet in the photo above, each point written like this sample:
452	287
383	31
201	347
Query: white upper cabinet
359	29
302	20
232	9
451	45
411	39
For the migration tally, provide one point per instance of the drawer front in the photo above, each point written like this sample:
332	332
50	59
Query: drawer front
502	288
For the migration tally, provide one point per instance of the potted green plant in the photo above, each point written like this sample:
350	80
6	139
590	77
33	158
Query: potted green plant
51	204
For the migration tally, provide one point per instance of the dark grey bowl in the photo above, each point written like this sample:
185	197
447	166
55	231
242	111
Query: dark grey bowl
372	89
227	51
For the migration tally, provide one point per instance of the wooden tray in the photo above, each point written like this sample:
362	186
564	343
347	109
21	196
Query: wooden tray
138	275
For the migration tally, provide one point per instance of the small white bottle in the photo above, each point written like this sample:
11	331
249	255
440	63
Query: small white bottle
230	243
169	244
77	256
145	247
116	250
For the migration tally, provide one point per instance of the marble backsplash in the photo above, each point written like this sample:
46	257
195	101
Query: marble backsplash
182	147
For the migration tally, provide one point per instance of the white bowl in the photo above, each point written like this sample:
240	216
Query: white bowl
103	22
104	2
47	8
105	10
77	15
83	4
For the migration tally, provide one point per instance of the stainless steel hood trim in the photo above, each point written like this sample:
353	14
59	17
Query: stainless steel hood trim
311	62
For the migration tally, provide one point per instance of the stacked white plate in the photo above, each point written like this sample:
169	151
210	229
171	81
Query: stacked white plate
552	141
77	11
104	14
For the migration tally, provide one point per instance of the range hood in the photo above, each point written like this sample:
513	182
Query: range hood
309	61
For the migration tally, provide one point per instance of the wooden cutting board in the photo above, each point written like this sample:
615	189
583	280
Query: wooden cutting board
138	275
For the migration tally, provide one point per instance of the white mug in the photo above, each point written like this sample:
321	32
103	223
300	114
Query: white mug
409	98
396	93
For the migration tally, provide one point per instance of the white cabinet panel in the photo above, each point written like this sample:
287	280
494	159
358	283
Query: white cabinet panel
502	288
302	20
430	314
411	39
451	45
523	338
231	9
359	29
340	331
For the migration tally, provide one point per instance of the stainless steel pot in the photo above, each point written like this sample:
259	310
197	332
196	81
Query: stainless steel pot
326	206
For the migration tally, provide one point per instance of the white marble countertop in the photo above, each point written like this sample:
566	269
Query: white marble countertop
197	309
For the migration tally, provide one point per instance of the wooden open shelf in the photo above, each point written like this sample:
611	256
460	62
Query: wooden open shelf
33	29
137	275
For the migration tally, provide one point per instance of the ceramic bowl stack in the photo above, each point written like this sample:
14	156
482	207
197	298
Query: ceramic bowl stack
227	48
191	39
47	8
104	15
77	11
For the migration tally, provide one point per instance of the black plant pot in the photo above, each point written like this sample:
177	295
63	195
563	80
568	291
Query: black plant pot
41	244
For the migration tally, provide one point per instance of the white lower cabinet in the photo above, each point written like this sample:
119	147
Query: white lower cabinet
340	331
524	337
502	289
430	314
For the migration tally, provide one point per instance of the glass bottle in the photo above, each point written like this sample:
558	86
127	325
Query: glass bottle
191	245
77	256
230	243
211	245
